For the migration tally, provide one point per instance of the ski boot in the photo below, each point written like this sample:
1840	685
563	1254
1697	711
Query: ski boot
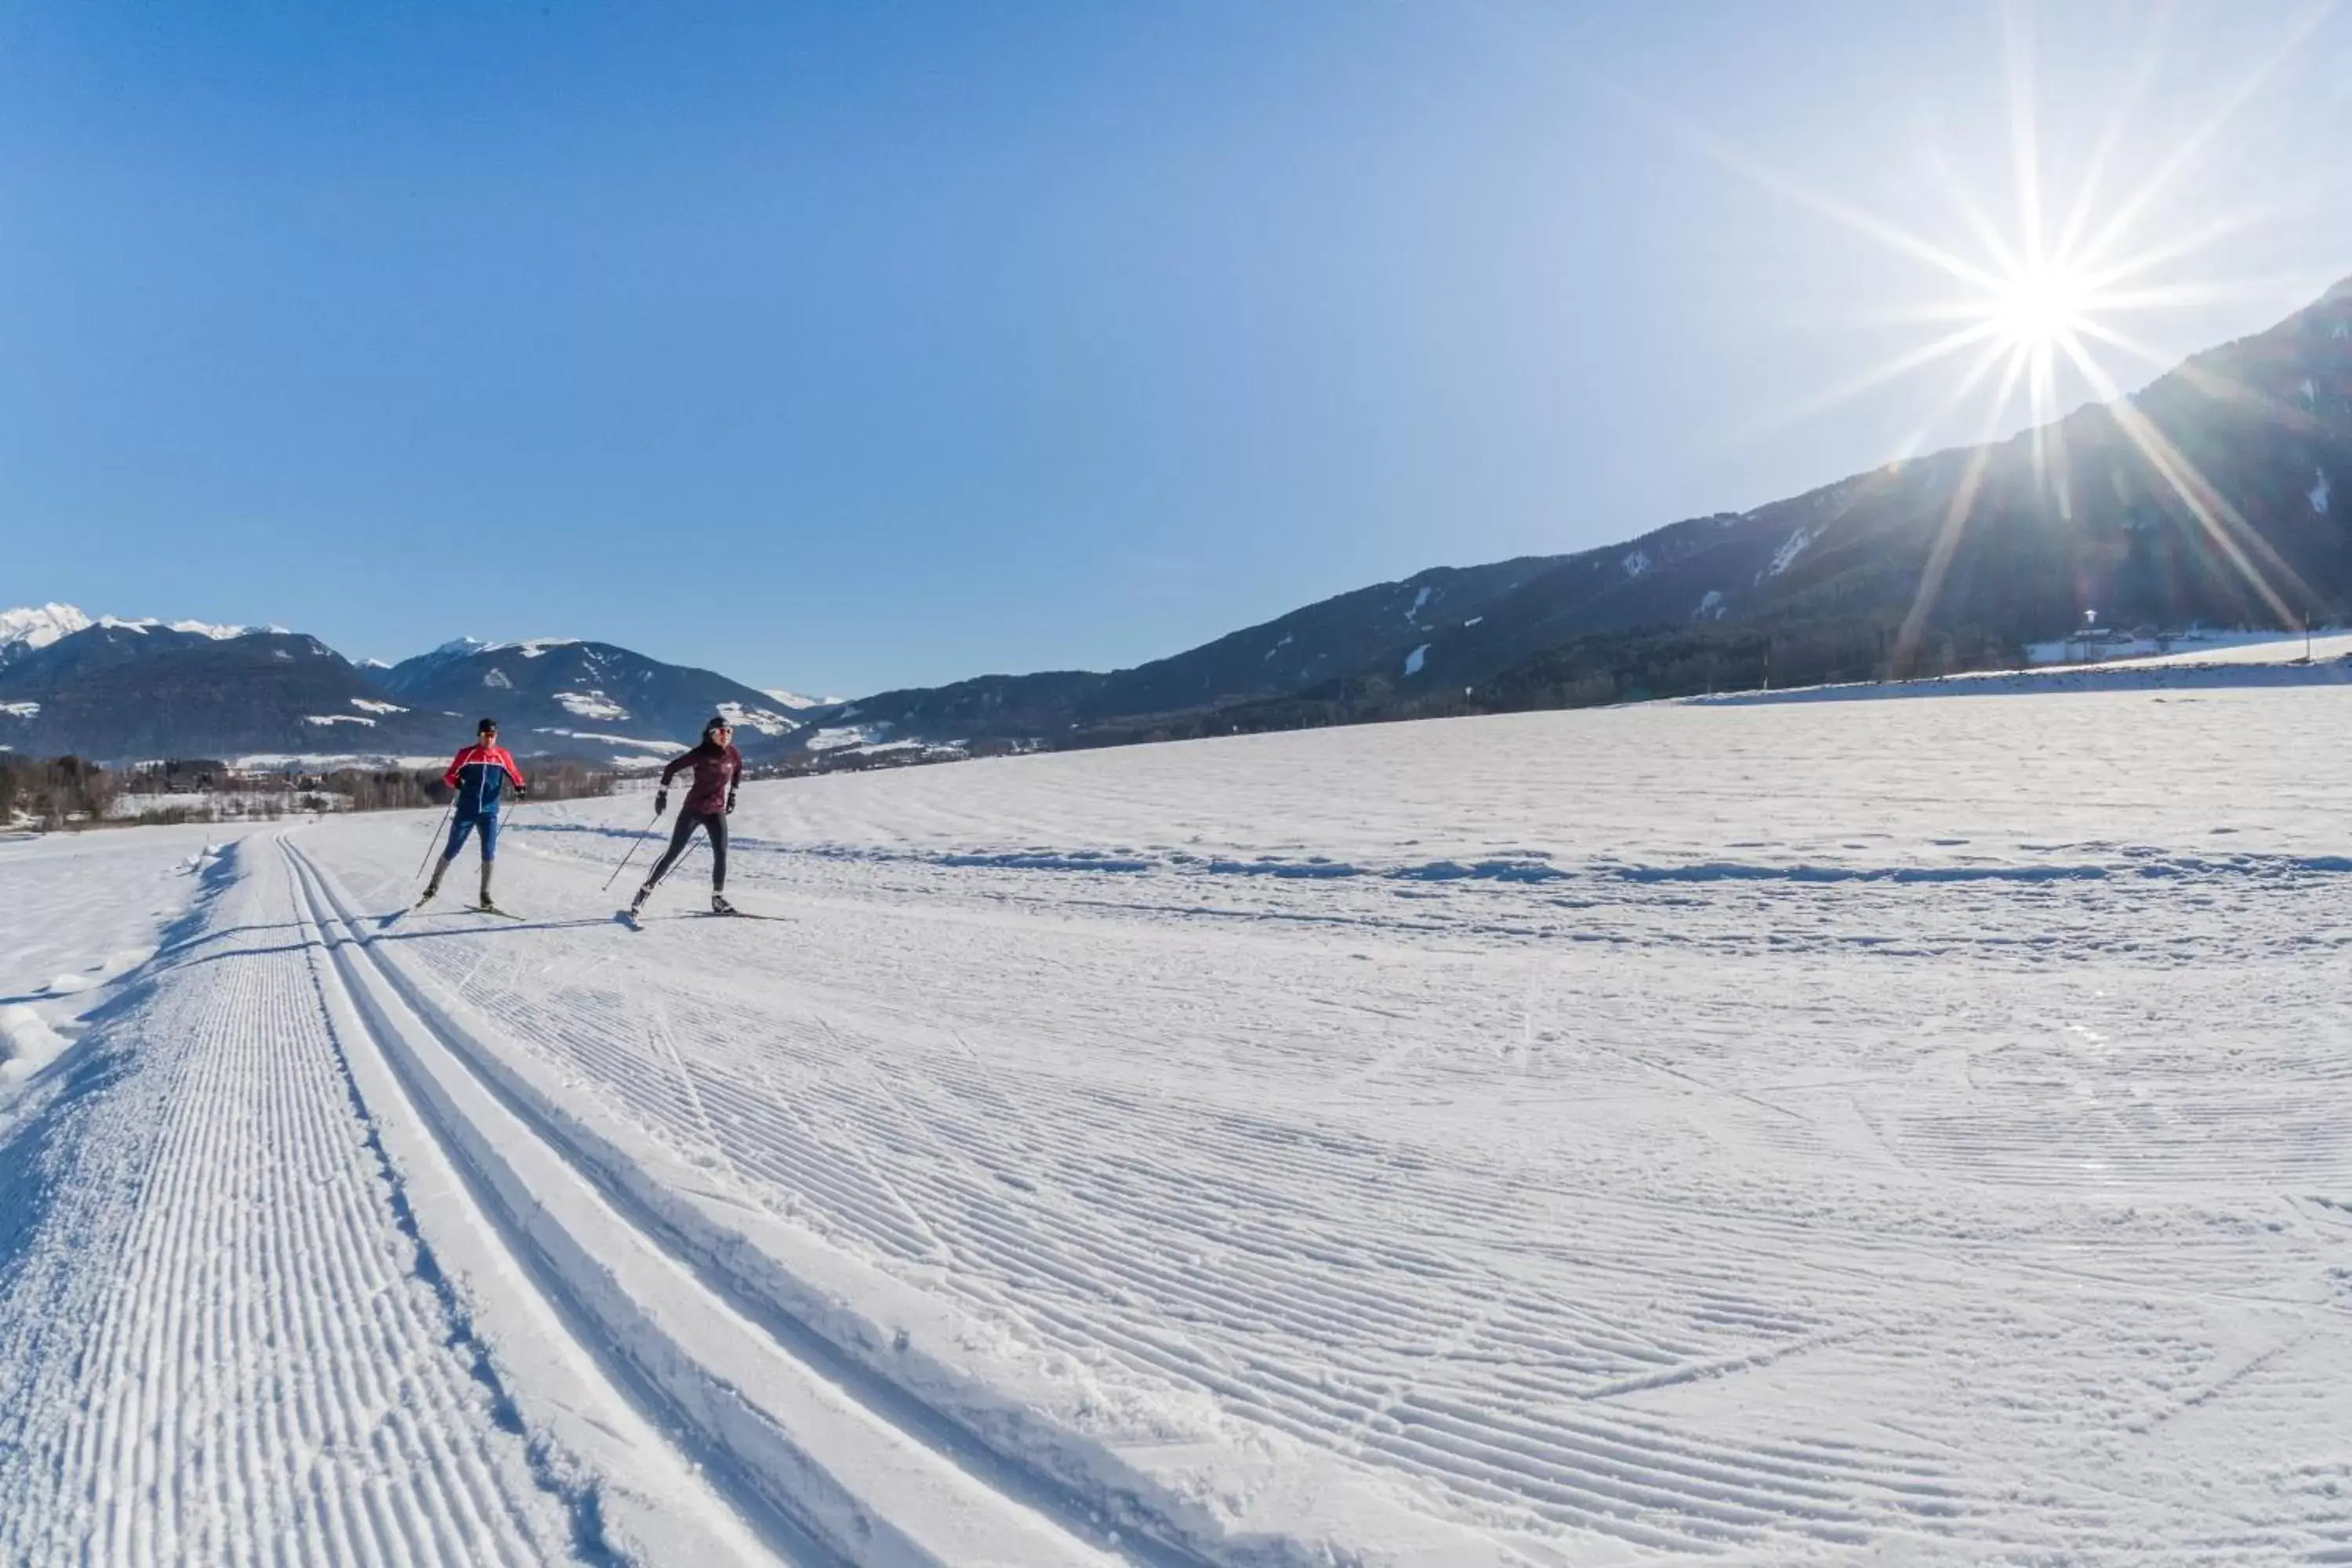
719	906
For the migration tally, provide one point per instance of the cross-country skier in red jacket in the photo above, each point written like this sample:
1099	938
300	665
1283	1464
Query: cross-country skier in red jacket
718	768
480	774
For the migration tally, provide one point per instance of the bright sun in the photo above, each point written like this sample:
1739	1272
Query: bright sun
2036	311
2041	308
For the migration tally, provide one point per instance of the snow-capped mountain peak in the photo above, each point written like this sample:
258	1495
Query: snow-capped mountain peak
38	626
530	647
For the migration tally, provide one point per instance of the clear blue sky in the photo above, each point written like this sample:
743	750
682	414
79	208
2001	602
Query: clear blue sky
854	345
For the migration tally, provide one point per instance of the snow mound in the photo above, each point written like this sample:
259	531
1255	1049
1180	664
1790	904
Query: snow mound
27	1044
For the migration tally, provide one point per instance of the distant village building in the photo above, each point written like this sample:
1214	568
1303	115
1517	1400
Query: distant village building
2087	644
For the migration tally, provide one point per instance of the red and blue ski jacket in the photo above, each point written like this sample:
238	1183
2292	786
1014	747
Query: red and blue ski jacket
480	777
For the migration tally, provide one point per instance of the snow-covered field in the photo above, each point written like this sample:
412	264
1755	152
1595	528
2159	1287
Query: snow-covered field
1848	1133
2223	662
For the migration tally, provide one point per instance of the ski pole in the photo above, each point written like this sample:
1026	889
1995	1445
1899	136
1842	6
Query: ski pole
632	851
441	827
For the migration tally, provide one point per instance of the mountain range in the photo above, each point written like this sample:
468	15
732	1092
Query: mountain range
122	690
2209	496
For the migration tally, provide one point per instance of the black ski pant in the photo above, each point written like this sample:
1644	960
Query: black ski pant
715	824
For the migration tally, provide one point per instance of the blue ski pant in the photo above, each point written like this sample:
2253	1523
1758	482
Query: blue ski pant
488	821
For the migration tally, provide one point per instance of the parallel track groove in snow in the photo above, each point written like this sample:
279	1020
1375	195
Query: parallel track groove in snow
1880	1135
845	1478
1283	1276
261	1376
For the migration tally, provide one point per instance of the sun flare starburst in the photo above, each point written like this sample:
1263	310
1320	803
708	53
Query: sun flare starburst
2038	298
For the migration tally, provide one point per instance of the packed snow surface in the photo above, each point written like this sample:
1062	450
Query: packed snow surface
1838	1133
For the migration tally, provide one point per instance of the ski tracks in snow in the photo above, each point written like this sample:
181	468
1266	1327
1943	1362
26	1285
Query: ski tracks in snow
824	1472
1726	1232
292	1269
237	1358
1238	1218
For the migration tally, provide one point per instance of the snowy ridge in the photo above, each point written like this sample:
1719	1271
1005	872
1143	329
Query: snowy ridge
197	628
39	625
530	647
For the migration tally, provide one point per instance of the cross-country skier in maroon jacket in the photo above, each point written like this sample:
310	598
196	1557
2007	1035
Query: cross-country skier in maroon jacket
718	768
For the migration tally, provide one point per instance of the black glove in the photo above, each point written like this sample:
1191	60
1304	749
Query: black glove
661	801
730	803
521	794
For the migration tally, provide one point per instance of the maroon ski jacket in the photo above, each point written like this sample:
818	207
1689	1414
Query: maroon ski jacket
716	769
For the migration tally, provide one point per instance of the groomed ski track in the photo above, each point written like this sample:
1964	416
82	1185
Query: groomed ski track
222	1346
832	1478
1131	1158
235	1339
